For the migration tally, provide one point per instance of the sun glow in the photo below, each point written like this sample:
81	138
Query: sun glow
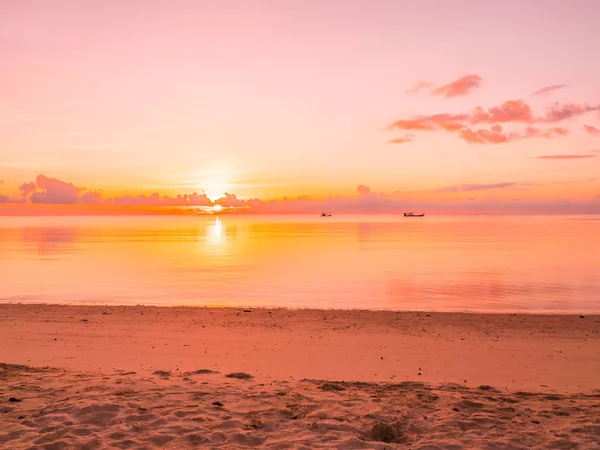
217	208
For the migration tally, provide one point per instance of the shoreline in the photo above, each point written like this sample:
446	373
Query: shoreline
308	309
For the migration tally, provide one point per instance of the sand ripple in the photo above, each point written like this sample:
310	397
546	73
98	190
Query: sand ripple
51	409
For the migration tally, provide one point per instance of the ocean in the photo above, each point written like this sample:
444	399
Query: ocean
434	263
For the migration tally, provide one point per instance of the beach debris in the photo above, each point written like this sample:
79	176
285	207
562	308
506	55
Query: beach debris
240	376
247	310
256	424
582	317
219	404
84	320
485	387
331	387
389	432
162	373
200	372
14	400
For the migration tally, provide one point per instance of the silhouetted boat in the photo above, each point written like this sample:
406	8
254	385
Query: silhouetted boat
325	215
413	215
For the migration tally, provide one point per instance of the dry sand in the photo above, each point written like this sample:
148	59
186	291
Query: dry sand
126	377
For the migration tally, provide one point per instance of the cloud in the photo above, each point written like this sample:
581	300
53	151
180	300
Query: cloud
474	187
545	90
459	87
509	112
531	132
558	112
4	198
566	156
230	201
46	190
402	140
497	135
155	199
419	87
91	198
590	129
53	191
364	201
26	189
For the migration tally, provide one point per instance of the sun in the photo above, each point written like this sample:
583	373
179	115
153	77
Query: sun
217	208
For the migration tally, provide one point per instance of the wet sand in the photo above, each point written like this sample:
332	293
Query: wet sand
110	376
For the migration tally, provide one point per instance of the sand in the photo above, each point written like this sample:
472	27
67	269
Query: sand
146	377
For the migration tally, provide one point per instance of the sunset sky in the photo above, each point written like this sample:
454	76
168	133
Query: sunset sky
425	103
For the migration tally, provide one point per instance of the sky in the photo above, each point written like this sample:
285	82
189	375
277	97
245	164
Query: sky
299	105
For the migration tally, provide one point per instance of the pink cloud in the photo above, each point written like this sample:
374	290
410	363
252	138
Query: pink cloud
26	189
91	198
419	87
155	199
365	201
531	132
590	129
545	90
566	156
511	111
475	187
459	87
53	191
402	140
48	190
230	201
558	112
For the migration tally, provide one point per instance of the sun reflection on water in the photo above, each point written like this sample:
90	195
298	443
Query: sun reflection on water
214	233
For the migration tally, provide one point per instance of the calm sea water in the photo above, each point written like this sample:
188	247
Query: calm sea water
473	263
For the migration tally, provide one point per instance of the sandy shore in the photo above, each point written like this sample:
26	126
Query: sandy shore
125	377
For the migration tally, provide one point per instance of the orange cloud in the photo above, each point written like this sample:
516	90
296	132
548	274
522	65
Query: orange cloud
566	156
459	87
547	89
511	111
414	124
590	129
402	140
496	134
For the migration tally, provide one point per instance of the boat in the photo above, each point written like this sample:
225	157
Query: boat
325	215
410	214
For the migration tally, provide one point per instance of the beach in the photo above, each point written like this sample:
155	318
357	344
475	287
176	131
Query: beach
179	377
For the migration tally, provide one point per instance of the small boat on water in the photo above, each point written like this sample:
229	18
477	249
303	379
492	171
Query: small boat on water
325	214
410	214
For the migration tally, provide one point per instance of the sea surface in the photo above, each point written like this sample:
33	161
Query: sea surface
434	263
